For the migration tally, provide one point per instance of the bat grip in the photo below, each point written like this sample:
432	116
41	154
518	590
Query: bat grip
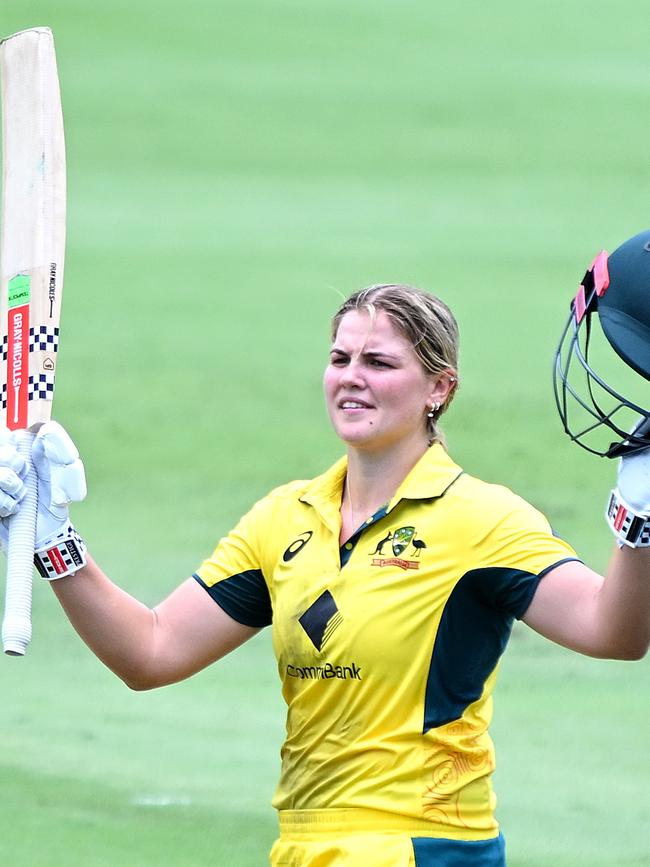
17	623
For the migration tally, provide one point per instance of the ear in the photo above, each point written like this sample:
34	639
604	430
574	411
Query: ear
442	387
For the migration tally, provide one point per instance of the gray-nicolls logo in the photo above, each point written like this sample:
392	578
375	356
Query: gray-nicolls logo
51	292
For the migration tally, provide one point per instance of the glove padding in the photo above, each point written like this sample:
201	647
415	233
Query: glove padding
634	481
61	480
12	472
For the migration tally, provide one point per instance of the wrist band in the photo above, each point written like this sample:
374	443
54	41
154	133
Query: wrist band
628	526
63	554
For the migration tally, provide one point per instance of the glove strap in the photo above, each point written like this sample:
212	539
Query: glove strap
61	555
629	527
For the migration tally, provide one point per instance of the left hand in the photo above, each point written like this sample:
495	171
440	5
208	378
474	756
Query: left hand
634	481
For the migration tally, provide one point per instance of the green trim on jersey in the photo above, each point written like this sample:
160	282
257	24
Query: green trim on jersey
433	852
474	629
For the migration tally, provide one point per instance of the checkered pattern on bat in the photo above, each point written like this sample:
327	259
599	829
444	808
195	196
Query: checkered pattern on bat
40	388
45	338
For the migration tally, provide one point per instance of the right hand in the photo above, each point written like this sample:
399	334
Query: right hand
13	470
61	480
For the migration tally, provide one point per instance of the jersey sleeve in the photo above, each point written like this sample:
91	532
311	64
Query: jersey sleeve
233	574
522	549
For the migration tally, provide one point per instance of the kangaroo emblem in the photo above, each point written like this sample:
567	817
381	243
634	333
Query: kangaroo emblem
380	544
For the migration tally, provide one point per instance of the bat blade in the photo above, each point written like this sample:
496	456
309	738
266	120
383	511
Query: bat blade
32	247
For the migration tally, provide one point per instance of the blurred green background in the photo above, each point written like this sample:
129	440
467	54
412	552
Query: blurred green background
234	169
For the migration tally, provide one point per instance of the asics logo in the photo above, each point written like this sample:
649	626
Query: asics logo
297	545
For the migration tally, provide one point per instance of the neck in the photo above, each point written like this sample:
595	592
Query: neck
373	477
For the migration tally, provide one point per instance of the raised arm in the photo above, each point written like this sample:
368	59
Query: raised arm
605	616
148	647
145	647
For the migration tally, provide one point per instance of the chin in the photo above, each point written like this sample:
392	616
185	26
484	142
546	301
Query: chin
362	440
375	441
355	439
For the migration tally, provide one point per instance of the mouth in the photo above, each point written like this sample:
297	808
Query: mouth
352	405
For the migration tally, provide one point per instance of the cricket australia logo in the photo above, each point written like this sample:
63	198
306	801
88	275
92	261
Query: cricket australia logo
400	540
321	619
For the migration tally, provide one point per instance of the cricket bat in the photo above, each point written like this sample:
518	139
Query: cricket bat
32	246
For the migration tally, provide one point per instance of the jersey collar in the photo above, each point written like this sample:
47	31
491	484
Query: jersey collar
433	474
430	477
325	491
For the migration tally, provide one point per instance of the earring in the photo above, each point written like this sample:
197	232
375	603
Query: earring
433	410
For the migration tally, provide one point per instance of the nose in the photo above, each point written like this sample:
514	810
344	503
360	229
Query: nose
352	374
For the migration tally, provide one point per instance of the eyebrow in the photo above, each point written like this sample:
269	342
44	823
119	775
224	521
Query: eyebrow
365	353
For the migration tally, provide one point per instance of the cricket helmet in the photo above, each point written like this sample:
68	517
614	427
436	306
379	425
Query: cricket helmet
612	303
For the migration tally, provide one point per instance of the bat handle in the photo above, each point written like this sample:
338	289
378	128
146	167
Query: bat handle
17	623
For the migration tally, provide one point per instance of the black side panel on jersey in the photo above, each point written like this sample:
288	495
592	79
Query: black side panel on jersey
473	633
245	597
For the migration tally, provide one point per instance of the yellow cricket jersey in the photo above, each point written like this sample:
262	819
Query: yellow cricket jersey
388	647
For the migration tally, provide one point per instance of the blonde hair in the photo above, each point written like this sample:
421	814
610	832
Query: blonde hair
428	325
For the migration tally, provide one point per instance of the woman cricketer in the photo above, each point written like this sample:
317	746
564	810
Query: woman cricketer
391	583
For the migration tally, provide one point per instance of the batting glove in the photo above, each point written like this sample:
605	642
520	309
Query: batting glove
13	470
628	510
61	480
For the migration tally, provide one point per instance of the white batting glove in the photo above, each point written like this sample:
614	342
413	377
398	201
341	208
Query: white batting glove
12	472
61	481
634	481
628	510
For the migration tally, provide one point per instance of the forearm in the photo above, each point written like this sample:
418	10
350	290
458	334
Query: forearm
624	604
117	628
624	598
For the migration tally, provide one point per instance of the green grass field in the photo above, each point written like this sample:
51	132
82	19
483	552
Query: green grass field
234	167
